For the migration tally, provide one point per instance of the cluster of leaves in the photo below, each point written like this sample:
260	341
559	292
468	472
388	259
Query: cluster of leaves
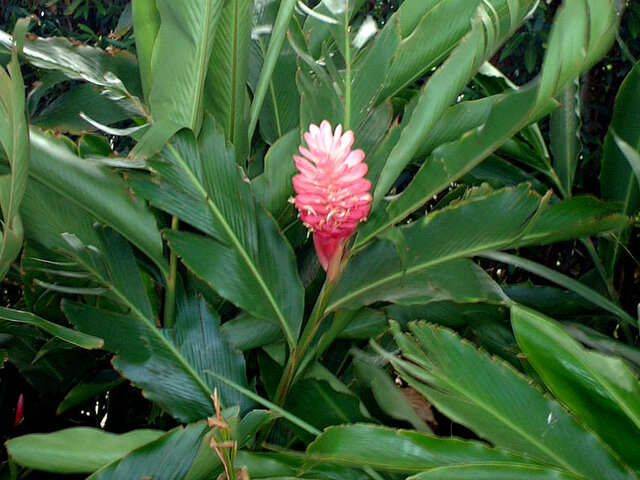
172	303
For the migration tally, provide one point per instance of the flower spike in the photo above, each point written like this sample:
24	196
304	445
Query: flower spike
332	193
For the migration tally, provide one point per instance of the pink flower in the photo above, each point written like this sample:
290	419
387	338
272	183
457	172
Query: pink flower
332	193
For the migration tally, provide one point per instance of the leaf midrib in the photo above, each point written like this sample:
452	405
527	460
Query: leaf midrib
235	241
495	414
416	269
149	327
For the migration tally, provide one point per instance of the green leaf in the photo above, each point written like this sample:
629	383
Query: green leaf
631	154
395	450
488	32
98	191
103	381
279	63
617	180
387	394
246	259
599	389
180	59
450	161
169	365
273	187
499	404
75	450
575	217
167	457
67	334
116	71
564	281
225	88
14	140
317	402
247	332
146	23
503	471
438	31
431	243
564	133
63	113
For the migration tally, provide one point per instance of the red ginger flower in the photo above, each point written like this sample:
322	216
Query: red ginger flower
333	195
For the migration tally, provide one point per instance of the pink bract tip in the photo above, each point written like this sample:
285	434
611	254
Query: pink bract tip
332	193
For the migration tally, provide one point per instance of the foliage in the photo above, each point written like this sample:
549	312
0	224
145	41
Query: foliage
174	321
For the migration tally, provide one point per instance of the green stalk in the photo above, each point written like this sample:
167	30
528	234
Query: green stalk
347	77
292	368
170	292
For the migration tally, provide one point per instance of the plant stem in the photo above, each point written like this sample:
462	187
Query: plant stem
170	292
291	370
347	77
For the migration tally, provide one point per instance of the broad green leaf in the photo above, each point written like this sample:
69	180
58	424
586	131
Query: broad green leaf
225	88
75	450
273	187
63	113
429	244
438	31
599	389
499	404
564	133
14	141
503	471
246	259
395	450
180	59
488	32
115	72
168	457
67	334
569	283
278	64
575	218
317	402
169	365
450	161
592	26
146	23
631	154
604	343
617	181
246	332
508	116
98	191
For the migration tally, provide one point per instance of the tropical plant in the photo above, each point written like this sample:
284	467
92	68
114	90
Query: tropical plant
146	215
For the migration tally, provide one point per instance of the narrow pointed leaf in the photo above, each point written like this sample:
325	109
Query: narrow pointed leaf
265	82
225	88
180	59
168	365
75	450
564	133
582	380
168	457
14	141
245	258
67	334
499	404
396	450
503	471
96	190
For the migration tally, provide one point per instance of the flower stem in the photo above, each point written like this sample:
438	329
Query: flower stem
347	77
292	370
170	292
